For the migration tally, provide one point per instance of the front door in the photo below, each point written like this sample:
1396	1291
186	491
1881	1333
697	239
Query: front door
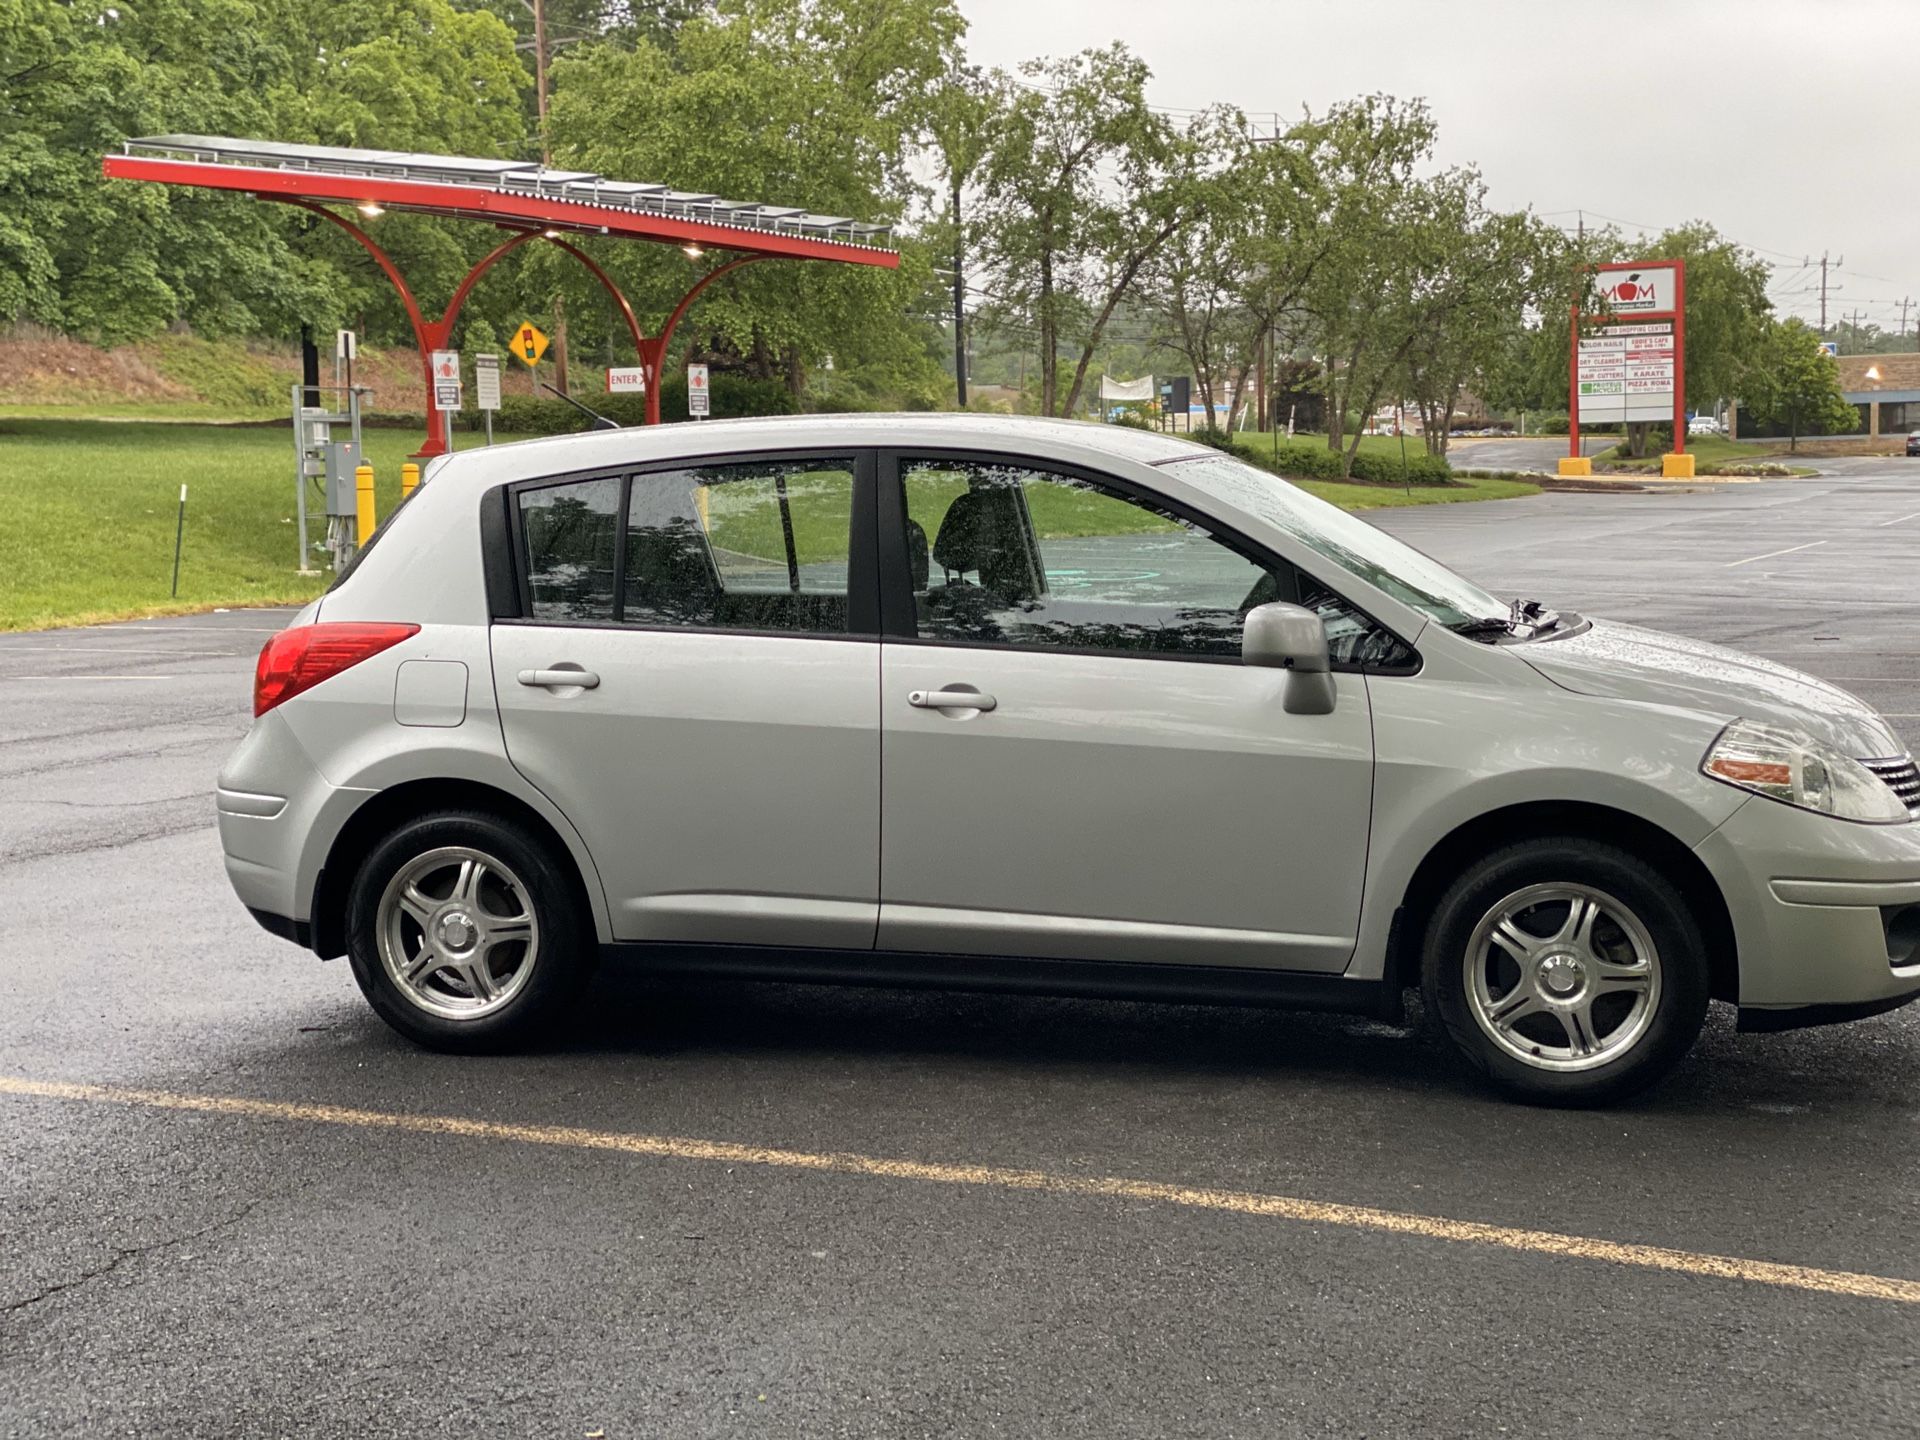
1075	762
690	684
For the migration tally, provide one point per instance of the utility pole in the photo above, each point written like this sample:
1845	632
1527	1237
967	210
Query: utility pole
1824	288
546	158
1905	305
959	294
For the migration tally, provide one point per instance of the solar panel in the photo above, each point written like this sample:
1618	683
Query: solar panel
582	187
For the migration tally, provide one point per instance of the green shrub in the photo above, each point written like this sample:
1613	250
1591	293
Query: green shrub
1316	462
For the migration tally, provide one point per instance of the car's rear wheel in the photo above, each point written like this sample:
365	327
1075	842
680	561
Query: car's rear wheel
465	933
1566	970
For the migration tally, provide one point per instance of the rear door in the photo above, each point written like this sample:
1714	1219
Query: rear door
694	682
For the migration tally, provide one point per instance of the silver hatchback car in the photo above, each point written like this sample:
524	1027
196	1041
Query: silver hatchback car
1042	706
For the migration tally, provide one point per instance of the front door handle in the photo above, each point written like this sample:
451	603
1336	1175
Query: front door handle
560	678
951	700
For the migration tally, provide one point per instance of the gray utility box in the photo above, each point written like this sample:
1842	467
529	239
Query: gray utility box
342	458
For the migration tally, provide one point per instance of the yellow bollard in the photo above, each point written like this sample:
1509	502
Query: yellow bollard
363	502
409	479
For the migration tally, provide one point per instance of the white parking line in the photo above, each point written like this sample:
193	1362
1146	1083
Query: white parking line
1902	520
1771	553
86	677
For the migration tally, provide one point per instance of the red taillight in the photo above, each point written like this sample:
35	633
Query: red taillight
300	658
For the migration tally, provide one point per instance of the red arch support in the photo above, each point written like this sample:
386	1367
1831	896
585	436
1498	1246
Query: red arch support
431	335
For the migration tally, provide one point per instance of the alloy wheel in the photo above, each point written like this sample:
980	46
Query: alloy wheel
457	933
1562	977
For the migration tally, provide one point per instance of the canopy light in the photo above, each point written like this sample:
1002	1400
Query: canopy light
692	251
371	210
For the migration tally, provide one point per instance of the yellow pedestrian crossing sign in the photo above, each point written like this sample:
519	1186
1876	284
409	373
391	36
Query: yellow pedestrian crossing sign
529	342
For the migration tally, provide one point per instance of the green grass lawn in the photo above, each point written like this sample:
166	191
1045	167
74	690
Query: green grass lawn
1710	453
89	508
1353	496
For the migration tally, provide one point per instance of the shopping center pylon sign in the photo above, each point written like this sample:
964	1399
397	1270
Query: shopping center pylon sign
1630	350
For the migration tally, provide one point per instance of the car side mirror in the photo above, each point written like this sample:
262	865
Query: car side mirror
1291	637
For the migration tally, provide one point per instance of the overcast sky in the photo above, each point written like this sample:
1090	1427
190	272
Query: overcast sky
1792	125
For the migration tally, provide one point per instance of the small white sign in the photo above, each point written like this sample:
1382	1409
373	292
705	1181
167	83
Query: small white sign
446	379
626	379
699	402
486	381
346	345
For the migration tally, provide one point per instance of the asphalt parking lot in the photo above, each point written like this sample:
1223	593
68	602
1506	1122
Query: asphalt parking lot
233	1203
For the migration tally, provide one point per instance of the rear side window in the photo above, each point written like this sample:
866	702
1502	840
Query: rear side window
571	535
746	546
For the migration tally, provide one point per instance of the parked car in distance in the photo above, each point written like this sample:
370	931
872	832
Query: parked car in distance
1705	425
1913	443
976	702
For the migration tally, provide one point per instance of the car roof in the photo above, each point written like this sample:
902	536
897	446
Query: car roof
691	440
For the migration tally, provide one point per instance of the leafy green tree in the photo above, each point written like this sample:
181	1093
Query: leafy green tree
1791	381
796	102
1084	186
116	260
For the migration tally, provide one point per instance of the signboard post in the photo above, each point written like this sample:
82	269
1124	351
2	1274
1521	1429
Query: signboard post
698	400
1631	367
486	386
446	387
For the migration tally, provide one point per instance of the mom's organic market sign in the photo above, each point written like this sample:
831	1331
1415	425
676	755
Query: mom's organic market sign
1629	350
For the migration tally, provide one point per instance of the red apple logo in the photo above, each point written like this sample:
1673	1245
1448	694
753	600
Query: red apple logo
1626	289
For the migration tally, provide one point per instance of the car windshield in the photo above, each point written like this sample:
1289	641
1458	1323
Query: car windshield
1358	548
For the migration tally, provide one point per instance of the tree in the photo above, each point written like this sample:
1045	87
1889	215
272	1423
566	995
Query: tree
1498	267
1416	270
1084	185
796	102
1791	381
116	261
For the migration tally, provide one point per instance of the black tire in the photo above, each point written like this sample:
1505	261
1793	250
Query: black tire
1649	1047
561	960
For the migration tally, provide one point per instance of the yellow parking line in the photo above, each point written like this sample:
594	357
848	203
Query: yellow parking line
1240	1202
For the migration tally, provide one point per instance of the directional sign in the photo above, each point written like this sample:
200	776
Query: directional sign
486	381
446	379
529	343
345	345
626	379
698	399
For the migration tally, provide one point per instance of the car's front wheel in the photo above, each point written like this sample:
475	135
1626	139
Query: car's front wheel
1566	970
464	933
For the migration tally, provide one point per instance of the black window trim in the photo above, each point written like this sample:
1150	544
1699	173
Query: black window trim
899	619
505	540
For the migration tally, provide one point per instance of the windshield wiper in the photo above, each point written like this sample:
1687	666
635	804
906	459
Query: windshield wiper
1483	627
1534	617
1524	619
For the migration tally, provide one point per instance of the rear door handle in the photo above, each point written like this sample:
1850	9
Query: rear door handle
951	700
559	679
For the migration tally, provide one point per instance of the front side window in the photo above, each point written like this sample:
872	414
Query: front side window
1003	554
745	546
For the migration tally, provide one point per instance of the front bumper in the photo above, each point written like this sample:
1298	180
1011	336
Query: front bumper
1820	913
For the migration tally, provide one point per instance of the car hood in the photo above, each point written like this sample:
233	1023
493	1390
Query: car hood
1624	662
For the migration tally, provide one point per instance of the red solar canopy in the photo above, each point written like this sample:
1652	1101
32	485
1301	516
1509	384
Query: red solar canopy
530	201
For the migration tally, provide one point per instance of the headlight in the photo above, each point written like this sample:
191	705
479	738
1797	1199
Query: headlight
1796	769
